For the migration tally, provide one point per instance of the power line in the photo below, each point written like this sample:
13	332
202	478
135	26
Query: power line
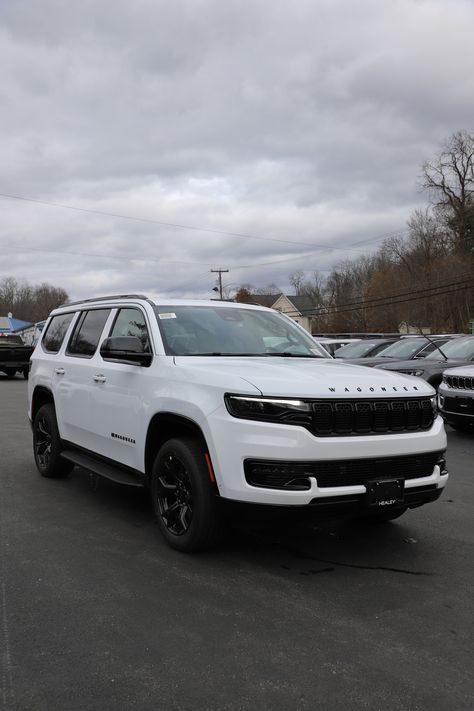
389	300
225	233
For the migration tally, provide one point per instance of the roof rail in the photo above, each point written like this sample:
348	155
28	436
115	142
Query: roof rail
105	298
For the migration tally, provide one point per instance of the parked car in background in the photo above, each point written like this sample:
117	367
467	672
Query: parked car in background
403	349
456	397
332	345
365	347
14	356
457	352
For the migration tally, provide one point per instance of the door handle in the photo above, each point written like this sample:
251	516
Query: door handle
99	378
59	371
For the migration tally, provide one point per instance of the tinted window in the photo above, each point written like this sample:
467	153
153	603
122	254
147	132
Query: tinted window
403	349
86	335
131	322
54	335
361	349
457	348
232	330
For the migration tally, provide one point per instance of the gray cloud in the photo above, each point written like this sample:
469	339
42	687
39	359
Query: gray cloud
304	123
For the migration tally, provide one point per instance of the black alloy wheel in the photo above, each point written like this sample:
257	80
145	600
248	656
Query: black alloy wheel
184	499
47	444
175	495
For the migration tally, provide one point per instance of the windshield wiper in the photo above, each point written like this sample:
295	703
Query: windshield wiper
437	348
252	355
221	353
294	355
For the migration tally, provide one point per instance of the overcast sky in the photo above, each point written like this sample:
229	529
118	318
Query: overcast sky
297	127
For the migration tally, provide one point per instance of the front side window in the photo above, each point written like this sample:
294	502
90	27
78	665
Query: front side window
226	331
54	334
131	322
86	335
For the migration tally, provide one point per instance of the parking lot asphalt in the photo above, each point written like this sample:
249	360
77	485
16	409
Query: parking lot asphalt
97	613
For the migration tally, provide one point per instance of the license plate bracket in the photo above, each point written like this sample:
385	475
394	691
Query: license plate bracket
384	492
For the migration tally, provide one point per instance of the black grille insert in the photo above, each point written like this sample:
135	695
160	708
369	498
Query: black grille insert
460	382
332	418
341	472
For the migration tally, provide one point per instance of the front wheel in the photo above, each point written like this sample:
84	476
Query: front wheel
47	444
184	498
10	372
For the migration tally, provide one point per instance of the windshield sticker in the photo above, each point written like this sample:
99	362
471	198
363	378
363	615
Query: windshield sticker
165	316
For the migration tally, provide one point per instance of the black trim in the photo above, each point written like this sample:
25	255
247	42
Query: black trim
106	298
102	466
294	475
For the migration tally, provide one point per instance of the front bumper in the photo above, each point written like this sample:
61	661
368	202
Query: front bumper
456	404
233	441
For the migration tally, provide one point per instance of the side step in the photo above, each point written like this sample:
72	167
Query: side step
109	471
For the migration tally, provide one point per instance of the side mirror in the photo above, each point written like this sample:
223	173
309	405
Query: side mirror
125	349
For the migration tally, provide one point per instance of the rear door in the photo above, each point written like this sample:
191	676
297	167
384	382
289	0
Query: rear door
75	377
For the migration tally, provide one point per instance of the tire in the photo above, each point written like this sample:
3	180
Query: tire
26	372
390	514
9	372
184	499
47	444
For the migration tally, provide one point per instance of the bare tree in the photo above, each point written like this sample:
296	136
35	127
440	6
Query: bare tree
449	178
29	303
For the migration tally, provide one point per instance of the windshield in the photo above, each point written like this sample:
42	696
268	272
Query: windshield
457	348
359	349
403	349
225	331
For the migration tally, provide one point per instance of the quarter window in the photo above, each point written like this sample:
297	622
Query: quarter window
131	322
86	335
54	335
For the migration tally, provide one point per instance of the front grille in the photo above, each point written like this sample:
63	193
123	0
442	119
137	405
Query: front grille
332	418
459	382
463	405
340	472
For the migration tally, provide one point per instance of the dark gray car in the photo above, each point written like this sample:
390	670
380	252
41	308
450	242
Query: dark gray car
459	351
403	349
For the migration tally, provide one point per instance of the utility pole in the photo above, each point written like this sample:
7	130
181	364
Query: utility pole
220	272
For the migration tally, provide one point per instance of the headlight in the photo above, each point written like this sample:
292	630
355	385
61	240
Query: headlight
434	403
283	410
416	373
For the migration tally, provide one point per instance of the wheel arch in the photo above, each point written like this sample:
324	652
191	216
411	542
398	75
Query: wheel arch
41	396
167	425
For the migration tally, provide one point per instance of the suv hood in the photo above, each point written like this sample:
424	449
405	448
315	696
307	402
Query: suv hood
301	377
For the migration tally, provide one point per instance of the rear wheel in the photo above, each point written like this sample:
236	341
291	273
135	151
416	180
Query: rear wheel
47	444
184	499
10	372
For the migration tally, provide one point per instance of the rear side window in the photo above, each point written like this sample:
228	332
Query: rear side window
54	335
86	335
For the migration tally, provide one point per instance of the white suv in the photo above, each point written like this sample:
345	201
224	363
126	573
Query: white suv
206	401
